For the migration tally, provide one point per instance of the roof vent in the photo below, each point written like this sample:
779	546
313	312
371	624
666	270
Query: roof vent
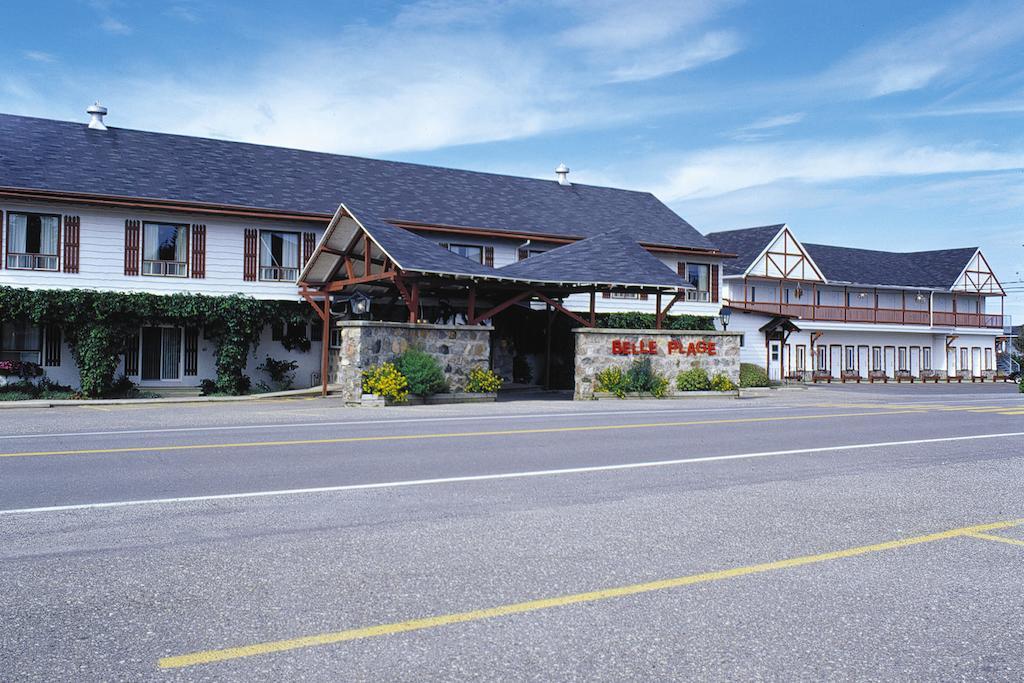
97	111
563	174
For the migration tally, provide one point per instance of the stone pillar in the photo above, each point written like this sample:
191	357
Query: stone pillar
364	343
670	352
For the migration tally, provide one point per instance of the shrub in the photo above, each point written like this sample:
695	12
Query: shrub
385	380
422	372
44	389
721	382
753	376
281	372
20	368
641	377
483	381
613	380
694	379
634	320
207	387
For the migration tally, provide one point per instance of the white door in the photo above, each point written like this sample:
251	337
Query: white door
915	362
890	362
863	361
774	361
976	362
837	361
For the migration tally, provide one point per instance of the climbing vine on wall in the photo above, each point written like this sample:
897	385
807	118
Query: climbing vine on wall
99	325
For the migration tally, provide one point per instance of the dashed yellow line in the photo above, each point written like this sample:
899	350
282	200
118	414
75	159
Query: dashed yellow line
445	435
210	656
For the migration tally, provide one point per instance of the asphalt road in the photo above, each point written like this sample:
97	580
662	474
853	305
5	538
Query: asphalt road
835	533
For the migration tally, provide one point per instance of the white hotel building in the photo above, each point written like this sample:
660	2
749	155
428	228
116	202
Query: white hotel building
84	206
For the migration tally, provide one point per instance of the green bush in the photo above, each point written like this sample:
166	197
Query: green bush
281	372
43	389
422	371
642	378
633	320
694	379
753	376
721	382
613	380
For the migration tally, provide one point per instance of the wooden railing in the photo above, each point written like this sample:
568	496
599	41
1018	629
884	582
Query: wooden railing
854	314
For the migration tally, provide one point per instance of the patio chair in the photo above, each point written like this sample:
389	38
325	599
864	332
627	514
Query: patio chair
904	376
878	376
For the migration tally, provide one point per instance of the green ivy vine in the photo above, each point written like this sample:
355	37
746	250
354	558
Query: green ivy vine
99	325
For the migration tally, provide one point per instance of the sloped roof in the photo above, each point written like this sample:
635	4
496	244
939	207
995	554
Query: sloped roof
935	269
747	244
613	258
59	156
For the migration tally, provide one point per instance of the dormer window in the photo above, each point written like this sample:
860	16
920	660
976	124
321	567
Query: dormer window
470	251
32	241
165	249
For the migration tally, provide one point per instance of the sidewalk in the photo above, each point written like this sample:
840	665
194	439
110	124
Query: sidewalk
311	392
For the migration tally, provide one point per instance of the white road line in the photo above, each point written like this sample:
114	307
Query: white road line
385	420
506	475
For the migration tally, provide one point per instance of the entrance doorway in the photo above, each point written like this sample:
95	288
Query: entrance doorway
775	361
161	354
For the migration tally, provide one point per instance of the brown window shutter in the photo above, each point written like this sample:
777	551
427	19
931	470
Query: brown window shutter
198	269
606	295
3	231
308	245
250	259
132	246
714	283
72	232
192	351
523	254
131	357
681	268
643	297
489	256
51	347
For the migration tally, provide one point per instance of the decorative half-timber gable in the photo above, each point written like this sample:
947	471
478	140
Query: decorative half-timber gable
785	259
978	278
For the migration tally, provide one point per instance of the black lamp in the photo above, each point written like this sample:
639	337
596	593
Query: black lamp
724	316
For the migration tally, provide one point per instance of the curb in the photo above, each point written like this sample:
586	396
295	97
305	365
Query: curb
14	405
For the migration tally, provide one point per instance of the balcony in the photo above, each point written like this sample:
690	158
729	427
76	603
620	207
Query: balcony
888	316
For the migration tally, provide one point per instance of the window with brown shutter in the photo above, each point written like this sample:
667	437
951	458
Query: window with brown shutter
489	256
308	245
191	351
714	283
132	246
251	256
198	251
51	346
72	232
3	229
523	254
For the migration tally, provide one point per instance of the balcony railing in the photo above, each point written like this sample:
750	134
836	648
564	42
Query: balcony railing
853	314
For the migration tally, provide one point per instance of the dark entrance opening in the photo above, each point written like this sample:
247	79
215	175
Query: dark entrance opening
535	347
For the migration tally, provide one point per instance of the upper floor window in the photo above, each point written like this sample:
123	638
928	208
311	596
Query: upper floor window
472	252
279	256
32	241
21	341
698	275
165	249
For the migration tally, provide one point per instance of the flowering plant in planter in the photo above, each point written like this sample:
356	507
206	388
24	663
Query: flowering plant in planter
387	381
20	368
483	381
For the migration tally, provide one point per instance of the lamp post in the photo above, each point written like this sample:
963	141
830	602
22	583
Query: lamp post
724	316
360	303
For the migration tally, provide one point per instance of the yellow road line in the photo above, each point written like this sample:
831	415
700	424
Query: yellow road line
447	435
209	656
1002	539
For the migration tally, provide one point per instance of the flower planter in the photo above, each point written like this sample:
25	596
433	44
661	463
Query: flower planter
375	401
601	395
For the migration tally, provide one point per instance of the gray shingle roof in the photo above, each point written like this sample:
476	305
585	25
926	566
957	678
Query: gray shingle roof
746	243
612	258
69	157
936	269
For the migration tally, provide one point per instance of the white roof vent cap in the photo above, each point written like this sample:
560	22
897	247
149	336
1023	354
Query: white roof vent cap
563	174
97	111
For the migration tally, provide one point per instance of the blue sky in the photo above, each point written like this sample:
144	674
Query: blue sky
892	125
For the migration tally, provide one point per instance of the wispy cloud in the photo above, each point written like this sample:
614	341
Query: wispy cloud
41	57
722	170
115	26
182	12
763	128
954	44
710	47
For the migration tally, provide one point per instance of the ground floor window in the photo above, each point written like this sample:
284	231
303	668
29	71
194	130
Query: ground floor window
876	358
988	359
965	358
822	357
21	341
161	353
851	358
801	357
903	358
926	358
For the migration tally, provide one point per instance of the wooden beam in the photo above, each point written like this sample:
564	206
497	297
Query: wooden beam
339	285
471	304
366	253
414	304
657	309
325	346
349	272
501	307
559	307
593	307
312	302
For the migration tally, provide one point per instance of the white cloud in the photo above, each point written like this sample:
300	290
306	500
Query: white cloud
951	45
38	56
115	27
711	47
766	127
722	170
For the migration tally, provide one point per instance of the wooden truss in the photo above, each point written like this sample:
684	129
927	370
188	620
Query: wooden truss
978	278
785	258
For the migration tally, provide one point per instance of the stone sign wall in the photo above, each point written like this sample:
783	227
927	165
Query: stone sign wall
364	343
670	351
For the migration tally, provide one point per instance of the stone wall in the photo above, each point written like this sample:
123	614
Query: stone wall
670	352
364	343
